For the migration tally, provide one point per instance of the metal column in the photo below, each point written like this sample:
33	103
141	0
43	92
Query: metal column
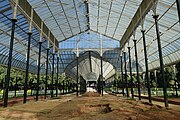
27	67
47	56
178	8
101	54
77	78
57	76
161	61
9	63
101	76
66	86
63	87
130	68
52	75
125	69
38	75
137	70
122	75
146	64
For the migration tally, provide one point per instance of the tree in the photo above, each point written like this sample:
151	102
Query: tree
169	76
152	79
2	77
178	73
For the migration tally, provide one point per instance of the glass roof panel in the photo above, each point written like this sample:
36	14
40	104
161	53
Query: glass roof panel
169	34
80	22
108	17
65	18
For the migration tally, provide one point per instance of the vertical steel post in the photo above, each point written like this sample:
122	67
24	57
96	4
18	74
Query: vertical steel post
38	75
125	69
116	86
161	61
52	73
63	87
122	74
130	69
57	76
178	8
47	56
66	86
146	64
27	67
9	63
5	77
137	70
77	77
101	54
101	76
77	72
98	85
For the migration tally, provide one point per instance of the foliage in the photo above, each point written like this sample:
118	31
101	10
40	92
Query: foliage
29	91
178	72
152	79
1	91
169	76
121	83
17	80
2	77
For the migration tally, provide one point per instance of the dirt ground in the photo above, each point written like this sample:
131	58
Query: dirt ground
88	107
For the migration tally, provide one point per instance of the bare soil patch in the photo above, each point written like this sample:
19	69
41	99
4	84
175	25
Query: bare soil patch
107	107
99	108
91	94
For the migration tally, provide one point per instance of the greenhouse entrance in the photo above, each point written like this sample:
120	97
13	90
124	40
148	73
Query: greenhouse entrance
125	51
91	67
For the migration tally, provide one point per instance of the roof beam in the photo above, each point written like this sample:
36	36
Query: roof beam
98	15
87	13
104	35
77	16
143	9
90	64
120	16
54	18
66	16
74	35
89	49
108	17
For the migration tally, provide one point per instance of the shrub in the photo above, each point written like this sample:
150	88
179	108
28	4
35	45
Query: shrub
28	91
1	91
